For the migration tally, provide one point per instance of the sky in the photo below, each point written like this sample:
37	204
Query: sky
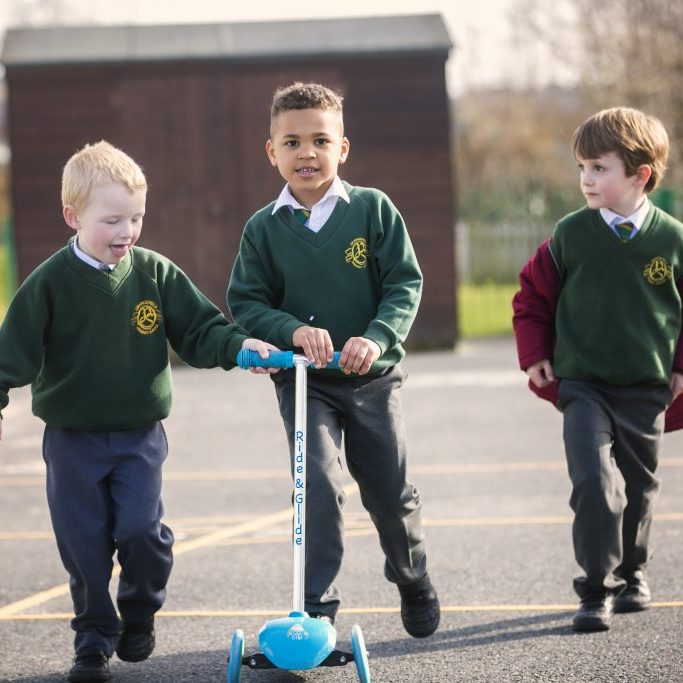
480	30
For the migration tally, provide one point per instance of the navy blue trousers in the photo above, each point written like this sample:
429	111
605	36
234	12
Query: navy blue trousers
104	495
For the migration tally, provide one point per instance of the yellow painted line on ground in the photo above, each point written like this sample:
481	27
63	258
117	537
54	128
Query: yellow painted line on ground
254	613
226	475
37	599
496	467
283	474
287	537
497	521
21	481
26	535
177	475
207	519
352	531
180	548
514	521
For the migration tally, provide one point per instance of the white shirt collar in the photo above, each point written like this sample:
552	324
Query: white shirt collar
336	190
637	217
87	258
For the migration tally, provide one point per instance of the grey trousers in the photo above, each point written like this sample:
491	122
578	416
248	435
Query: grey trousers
612	437
103	491
364	412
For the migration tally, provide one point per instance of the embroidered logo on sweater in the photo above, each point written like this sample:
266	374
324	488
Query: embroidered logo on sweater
658	271
357	253
146	317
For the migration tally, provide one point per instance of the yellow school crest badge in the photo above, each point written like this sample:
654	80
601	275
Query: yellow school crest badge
146	317
357	253
658	271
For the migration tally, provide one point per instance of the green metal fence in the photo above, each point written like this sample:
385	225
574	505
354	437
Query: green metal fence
490	256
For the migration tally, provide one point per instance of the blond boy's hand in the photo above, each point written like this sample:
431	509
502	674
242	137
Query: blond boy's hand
316	344
676	386
541	373
262	348
358	355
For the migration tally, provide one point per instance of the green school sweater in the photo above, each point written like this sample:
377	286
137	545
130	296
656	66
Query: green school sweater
358	276
94	345
619	312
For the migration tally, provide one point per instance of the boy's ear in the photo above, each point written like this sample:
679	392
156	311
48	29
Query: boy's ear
269	152
643	173
70	217
345	148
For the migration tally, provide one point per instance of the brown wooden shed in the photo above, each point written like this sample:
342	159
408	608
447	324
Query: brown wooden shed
191	105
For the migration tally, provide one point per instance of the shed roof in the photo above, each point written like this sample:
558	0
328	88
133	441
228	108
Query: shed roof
144	43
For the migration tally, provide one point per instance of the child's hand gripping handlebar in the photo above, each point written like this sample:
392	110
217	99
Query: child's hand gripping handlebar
278	359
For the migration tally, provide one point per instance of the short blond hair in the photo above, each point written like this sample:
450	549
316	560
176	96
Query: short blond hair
94	166
636	137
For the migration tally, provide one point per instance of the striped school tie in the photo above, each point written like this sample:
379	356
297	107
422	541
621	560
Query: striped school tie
302	215
625	230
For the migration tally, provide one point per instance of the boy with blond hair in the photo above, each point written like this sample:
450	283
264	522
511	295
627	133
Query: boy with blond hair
327	266
88	328
598	329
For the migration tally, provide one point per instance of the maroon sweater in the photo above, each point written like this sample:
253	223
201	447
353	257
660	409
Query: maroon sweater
533	319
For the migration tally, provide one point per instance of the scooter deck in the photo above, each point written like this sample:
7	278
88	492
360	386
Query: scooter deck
259	661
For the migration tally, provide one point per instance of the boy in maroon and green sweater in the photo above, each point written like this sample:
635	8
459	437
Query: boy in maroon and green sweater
327	266
598	327
89	329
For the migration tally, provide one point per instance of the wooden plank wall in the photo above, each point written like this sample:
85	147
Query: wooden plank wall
199	128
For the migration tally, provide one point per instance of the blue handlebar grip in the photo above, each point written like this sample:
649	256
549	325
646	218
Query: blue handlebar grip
247	358
277	359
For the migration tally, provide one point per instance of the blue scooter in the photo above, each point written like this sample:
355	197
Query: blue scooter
298	641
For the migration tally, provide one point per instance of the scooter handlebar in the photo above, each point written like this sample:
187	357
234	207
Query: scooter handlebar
247	358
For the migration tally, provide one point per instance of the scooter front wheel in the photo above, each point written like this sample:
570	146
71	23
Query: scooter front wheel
236	654
360	654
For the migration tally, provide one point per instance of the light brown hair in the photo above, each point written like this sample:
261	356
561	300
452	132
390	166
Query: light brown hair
636	137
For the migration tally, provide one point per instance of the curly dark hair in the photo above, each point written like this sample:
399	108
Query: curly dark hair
305	96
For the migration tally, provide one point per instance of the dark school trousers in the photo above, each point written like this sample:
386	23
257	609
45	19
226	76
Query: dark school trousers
612	437
104	495
365	413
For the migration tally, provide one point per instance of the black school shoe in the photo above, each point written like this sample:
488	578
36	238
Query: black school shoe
594	613
420	609
636	597
90	667
137	641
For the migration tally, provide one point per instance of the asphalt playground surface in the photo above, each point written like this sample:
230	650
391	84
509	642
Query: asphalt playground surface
487	458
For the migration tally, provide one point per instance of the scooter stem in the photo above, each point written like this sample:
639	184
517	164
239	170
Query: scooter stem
299	519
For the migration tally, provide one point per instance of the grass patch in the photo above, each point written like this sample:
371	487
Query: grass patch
485	310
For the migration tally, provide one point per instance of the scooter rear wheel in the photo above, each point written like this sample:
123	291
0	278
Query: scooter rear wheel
236	654
360	654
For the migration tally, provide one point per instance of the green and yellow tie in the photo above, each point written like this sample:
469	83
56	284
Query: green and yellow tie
625	230
302	215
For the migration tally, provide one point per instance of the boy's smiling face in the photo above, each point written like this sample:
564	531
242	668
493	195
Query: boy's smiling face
110	224
307	146
605	185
